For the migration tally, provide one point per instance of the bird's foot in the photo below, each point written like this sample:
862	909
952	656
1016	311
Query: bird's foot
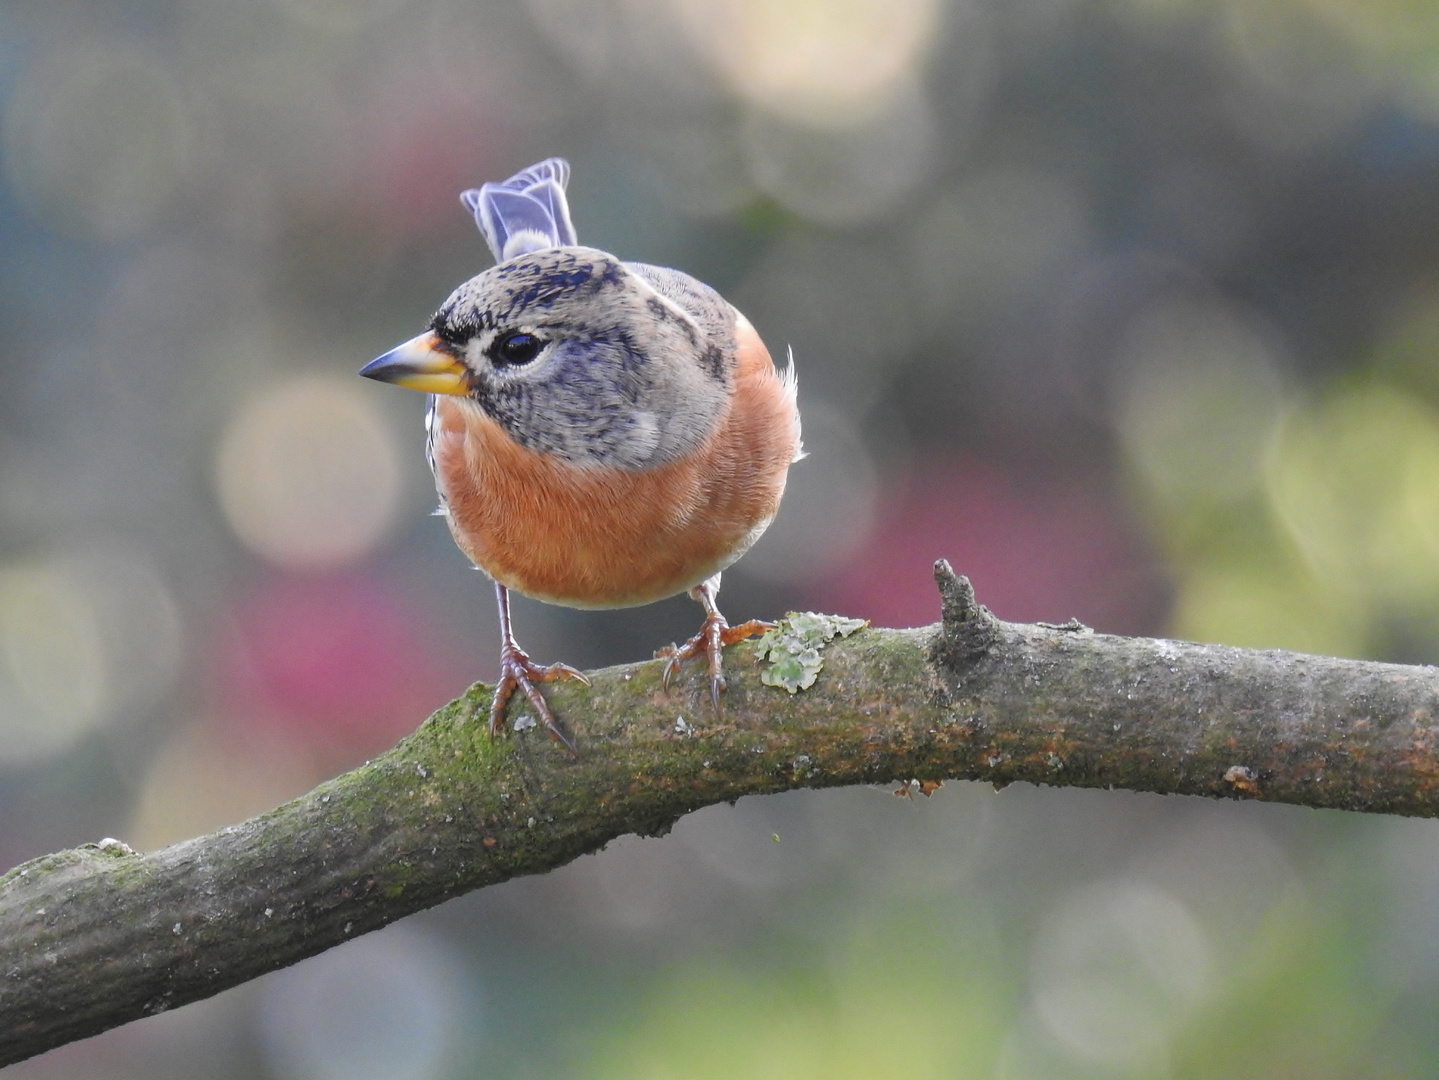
713	636
519	672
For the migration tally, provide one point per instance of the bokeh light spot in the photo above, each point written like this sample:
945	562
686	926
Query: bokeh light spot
1355	479
1254	607
842	174
308	474
907	1000
385	1007
84	635
1117	969
1299	81
815	61
52	663
1199	403
202	778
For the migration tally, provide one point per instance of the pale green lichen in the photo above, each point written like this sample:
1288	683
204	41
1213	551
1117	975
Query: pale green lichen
794	647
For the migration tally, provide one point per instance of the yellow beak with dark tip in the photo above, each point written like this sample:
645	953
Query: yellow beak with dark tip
420	364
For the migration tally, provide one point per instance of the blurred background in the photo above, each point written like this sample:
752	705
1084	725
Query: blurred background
1129	308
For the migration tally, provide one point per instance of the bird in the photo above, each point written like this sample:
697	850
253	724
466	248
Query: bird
602	433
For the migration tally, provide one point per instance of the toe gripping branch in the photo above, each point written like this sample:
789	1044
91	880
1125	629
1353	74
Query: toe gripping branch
714	634
519	672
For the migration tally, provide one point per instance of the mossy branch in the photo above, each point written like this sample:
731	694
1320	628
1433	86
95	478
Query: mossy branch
97	936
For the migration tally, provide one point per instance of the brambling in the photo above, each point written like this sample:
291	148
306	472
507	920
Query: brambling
603	434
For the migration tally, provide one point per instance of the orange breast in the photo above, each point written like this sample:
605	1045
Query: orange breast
597	536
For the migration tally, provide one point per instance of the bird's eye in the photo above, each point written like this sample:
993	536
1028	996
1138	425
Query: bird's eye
516	348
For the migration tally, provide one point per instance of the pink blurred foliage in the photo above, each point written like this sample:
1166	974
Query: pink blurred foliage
339	663
1035	549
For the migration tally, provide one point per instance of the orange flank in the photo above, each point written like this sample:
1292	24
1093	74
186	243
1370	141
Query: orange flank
596	536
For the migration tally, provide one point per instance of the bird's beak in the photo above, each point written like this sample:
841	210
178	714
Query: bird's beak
420	364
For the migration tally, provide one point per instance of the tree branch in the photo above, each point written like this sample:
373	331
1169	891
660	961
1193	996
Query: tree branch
96	936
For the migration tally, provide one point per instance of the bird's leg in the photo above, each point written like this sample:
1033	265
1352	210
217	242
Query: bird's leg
519	672
713	636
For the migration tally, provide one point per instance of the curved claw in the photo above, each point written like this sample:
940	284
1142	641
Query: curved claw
714	634
671	665
564	671
519	672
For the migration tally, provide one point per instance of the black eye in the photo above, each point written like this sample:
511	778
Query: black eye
516	348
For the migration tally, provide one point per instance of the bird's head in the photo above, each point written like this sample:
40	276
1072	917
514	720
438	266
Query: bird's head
577	354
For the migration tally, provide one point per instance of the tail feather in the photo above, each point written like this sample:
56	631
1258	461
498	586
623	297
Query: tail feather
528	212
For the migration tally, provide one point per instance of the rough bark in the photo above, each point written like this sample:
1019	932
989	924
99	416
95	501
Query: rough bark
96	936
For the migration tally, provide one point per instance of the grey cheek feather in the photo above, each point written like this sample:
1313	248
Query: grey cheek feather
640	364
588	405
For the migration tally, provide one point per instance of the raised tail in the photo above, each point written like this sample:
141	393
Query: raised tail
528	212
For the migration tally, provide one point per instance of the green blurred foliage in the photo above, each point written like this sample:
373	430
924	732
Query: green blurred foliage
900	997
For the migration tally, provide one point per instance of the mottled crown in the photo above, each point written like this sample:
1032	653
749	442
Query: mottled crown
528	212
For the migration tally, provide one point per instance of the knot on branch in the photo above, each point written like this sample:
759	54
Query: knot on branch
969	629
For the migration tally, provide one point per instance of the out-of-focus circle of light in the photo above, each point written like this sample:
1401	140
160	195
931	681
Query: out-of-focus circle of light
137	618
817	62
638	46
1408	944
1235	876
723	839
842	174
198	781
1355	479
1145	13
589	33
634	887
98	138
83	635
829	503
1116	969
308	474
911	985
340	16
1392	35
1199	401
1407	347
1301	82
1255	607
1395	27
388	1006
52	664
